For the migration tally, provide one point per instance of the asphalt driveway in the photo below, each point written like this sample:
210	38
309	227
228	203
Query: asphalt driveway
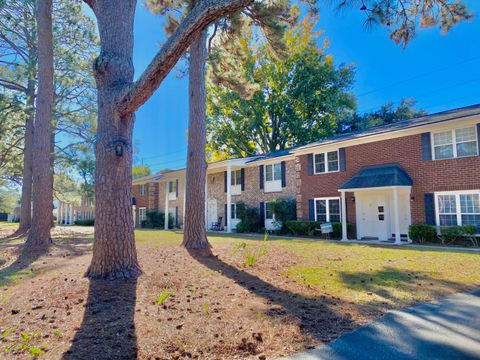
448	329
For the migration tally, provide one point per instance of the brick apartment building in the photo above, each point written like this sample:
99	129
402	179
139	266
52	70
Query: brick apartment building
381	180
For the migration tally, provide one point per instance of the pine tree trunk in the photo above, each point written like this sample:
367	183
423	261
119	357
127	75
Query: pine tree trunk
114	252
195	236
26	200
42	190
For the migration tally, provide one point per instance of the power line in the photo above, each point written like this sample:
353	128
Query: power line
167	162
419	76
423	95
165	154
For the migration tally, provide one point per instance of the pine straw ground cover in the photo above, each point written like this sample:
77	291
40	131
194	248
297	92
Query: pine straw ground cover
297	294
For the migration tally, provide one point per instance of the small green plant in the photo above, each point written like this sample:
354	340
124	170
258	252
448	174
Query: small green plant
166	293
252	256
206	308
57	333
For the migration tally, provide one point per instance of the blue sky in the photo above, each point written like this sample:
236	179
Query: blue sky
440	71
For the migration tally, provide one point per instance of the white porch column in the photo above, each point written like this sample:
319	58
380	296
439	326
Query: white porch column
396	216
206	201
344	216
59	213
166	206
134	211
184	200
70	216
229	199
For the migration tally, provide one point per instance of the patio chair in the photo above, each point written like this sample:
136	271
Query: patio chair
217	226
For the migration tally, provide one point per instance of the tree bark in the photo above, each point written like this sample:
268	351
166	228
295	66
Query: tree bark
26	200
194	236
114	252
42	190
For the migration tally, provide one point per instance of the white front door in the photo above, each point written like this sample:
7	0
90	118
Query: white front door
211	212
373	213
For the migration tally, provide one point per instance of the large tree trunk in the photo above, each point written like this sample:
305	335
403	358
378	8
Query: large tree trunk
26	200
42	191
195	236
114	253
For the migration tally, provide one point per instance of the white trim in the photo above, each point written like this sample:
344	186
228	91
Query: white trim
458	208
377	188
142	214
229	199
327	207
325	158
453	132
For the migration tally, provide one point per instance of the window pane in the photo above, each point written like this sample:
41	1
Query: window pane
269	211
471	220
321	210
447	204
239	177
268	173
234	212
320	163
470	203
333	161
448	220
444	152
442	138
467	149
464	135
334	217
278	172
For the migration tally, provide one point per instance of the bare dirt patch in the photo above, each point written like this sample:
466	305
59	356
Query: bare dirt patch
220	308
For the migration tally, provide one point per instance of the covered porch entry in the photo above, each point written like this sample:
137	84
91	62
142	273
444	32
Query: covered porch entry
382	203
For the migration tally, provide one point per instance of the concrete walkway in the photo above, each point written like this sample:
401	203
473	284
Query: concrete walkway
448	329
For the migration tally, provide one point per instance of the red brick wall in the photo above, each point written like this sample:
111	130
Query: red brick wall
142	200
427	176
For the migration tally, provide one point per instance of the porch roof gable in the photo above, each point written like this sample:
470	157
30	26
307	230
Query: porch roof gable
378	176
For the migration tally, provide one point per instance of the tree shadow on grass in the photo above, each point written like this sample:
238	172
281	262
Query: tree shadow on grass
321	317
19	268
108	329
391	282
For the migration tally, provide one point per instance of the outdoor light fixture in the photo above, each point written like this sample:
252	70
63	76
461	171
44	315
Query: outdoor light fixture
353	198
412	198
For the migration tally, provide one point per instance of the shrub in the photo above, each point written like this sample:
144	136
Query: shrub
87	222
249	219
155	219
299	227
285	210
421	233
450	234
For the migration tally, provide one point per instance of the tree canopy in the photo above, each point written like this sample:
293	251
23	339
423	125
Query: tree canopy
298	97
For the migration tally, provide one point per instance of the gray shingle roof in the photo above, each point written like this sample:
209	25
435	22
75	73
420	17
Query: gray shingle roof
378	176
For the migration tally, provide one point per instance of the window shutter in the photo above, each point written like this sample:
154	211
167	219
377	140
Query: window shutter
426	146
311	210
225	181
176	187
226	215
176	215
342	160
429	209
284	175
478	137
262	214
242	178
310	164
261	178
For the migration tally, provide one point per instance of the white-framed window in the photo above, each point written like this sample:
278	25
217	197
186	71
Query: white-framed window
172	187
143	189
236	177
142	213
269	215
458	208
273	172
327	209
455	143
326	162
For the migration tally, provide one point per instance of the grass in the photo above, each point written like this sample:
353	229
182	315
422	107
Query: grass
353	272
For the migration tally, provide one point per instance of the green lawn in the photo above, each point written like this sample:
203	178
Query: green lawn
355	272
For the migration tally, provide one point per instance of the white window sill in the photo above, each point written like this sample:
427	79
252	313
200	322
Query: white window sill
236	189
172	196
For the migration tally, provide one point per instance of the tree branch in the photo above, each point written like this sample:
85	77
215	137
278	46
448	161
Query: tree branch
203	14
